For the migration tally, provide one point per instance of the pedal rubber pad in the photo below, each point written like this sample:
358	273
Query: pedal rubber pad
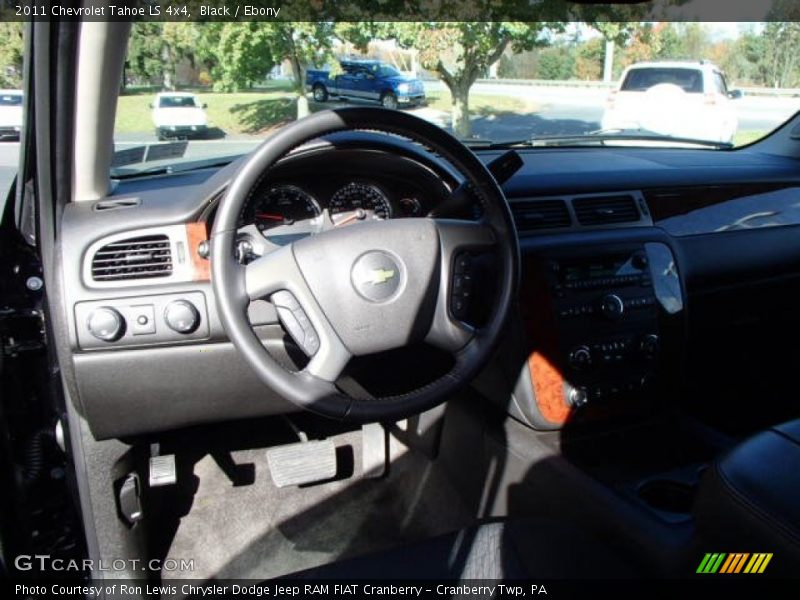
304	462
373	446
162	470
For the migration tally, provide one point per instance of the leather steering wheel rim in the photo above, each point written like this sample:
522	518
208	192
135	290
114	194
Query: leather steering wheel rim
233	283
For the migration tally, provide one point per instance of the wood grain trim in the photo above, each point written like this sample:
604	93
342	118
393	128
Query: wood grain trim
538	313
201	267
548	386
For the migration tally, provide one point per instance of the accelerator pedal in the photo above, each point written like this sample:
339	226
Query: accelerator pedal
374	448
302	463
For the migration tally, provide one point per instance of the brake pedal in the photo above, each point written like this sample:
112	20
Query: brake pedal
302	462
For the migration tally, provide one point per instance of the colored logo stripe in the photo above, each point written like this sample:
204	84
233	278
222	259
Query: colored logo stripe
721	562
711	562
758	563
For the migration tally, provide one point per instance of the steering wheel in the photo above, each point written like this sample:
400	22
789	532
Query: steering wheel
368	288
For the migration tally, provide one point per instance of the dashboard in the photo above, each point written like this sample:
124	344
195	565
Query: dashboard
593	223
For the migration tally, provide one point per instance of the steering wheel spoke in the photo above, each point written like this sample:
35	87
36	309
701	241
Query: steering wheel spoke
458	239
278	277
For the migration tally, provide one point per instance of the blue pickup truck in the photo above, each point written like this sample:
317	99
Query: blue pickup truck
367	80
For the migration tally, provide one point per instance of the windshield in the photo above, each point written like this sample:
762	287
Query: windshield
642	79
176	102
385	71
714	86
10	99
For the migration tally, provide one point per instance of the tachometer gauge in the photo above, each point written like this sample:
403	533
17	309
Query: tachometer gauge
358	202
284	210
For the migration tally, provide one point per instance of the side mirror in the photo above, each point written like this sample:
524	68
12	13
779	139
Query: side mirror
735	94
205	105
151	105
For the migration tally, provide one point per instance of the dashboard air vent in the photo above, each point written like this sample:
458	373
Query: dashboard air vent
530	215
135	258
603	210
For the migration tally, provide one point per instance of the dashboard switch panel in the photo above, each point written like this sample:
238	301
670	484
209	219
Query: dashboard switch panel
141	321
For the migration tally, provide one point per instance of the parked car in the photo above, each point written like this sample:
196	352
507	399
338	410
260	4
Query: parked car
10	114
179	114
680	99
367	80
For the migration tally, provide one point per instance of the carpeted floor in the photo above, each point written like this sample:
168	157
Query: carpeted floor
235	523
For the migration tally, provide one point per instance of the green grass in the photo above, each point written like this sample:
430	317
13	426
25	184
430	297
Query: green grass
743	138
261	109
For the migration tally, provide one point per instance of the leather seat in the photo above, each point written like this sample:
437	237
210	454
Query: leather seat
749	500
499	550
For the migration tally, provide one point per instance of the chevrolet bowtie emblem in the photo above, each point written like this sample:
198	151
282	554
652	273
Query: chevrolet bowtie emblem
378	276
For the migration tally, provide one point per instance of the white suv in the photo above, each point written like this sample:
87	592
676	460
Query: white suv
687	99
179	115
10	114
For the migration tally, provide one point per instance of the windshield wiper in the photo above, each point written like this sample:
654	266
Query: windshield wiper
593	138
601	137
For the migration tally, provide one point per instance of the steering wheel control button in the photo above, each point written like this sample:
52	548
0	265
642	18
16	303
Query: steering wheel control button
461	286
181	316
295	321
144	321
106	324
376	276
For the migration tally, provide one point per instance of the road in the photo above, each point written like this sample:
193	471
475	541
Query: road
561	110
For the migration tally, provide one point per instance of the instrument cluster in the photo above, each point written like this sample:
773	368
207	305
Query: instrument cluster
285	211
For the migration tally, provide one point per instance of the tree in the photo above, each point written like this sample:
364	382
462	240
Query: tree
11	51
457	52
155	49
556	62
144	51
781	58
300	43
243	55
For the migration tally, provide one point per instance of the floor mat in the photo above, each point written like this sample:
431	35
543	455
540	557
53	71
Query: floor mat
238	524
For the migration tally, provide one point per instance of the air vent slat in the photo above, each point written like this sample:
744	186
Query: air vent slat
605	210
530	215
142	257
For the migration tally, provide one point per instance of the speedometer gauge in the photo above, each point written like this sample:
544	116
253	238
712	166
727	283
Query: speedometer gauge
283	205
358	202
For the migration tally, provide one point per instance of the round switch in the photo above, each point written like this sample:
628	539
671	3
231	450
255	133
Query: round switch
649	345
181	316
580	357
106	324
612	307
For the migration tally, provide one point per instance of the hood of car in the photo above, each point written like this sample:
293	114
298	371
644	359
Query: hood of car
178	116
10	116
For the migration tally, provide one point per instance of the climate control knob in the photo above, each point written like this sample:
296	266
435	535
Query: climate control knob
612	307
649	345
106	324
181	316
580	357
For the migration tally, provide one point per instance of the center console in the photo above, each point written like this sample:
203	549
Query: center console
596	321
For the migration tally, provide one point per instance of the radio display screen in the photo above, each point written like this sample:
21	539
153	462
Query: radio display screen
595	269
